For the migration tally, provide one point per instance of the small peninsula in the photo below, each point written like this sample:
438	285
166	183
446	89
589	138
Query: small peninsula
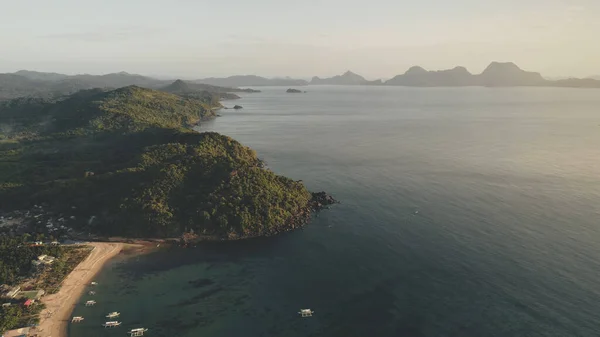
126	162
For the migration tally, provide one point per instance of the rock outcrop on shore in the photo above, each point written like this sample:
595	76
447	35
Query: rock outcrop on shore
321	199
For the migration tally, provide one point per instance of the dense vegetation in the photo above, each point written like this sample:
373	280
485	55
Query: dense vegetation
17	254
97	111
128	158
17	316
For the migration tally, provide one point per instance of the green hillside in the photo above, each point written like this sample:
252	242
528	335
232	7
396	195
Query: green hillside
129	159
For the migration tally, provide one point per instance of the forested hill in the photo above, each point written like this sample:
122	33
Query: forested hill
127	159
93	111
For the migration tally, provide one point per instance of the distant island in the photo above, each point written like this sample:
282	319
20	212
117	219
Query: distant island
495	75
251	81
348	78
55	85
204	91
293	91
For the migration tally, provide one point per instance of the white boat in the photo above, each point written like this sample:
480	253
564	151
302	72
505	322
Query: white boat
306	312
90	303
94	283
113	314
92	293
76	319
111	324
137	332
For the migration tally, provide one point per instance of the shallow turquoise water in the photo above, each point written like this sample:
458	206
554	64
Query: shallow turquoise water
465	212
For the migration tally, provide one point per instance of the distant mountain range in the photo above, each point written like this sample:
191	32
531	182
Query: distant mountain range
39	76
348	78
495	75
49	85
250	81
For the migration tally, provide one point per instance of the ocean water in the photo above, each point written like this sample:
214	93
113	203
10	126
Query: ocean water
464	212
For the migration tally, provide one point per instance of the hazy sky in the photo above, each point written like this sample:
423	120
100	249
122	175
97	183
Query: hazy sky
302	38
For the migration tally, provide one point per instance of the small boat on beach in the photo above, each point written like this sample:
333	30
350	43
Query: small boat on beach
306	312
113	314
111	324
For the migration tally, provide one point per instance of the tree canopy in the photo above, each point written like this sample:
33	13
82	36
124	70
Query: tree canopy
128	158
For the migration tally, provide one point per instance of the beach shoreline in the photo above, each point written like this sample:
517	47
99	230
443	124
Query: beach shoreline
54	319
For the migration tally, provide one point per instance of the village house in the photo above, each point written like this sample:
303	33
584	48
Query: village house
12	293
35	294
44	259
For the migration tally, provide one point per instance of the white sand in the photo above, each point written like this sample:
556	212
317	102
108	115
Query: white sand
55	318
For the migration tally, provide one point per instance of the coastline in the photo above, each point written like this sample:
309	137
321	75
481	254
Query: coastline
54	319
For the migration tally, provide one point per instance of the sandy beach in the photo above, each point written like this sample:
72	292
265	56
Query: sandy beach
55	318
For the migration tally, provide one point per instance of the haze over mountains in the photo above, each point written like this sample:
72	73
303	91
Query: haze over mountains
41	84
49	85
495	75
348	78
250	81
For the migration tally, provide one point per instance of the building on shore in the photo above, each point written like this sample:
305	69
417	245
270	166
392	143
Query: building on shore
43	260
13	292
35	294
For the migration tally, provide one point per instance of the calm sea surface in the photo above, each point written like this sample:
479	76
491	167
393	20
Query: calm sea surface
465	212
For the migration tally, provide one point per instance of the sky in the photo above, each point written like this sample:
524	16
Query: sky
302	38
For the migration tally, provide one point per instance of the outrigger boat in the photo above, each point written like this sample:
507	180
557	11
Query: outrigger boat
92	292
113	314
76	319
306	312
111	324
90	303
137	332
